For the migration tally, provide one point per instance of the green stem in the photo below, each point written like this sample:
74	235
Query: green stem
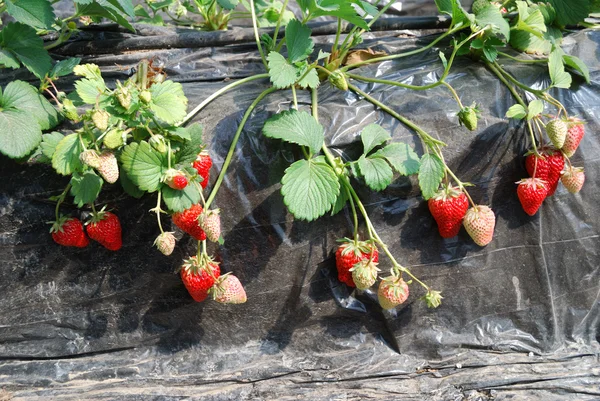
337	36
215	189
256	36
512	90
64	36
451	89
157	209
285	3
532	137
520	60
218	93
294	97
354	214
61	199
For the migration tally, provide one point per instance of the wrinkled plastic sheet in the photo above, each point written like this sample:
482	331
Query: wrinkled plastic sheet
519	320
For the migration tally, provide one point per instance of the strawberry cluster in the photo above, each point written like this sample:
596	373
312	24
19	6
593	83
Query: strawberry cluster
103	227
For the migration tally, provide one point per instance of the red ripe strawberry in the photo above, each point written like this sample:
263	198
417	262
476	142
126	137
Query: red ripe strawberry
574	136
549	167
538	164
531	192
202	165
175	179
210	222
448	207
188	222
479	223
557	163
348	254
165	243
229	290
105	228
199	277
392	292
573	179
68	231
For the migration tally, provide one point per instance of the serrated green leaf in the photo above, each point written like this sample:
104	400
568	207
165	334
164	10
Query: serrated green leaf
23	115
535	108
336	8
64	67
65	159
35	13
85	187
189	150
401	156
340	202
296	127
578	65
23	42
376	172
8	59
529	43
309	188
228	4
104	9
91	91
144	166
560	78
372	136
281	72
89	71
49	142
298	42
311	80
490	53
169	103
517	112
125	6
178	201
323	55
128	185
570	12
431	174
491	16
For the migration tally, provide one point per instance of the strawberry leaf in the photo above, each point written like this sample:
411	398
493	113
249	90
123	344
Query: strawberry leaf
228	4
311	80
340	202
372	136
91	91
298	42
49	142
296	127
64	67
517	112
430	174
22	42
35	13
189	150
281	72
401	156
85	187
169	103
128	185
570	12
65	159
144	166
536	107
310	188
560	78
376	172
491	16
180	200
578	65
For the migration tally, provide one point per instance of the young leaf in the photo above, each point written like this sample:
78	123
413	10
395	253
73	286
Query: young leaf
169	103
560	78
85	187
376	172
144	166
281	72
536	107
401	156
24	113
322	55
189	150
49	142
65	159
491	16
22	42
309	188
180	200
91	91
64	67
517	112
296	127
311	80
35	13
578	65
372	136
430	174
298	42
89	71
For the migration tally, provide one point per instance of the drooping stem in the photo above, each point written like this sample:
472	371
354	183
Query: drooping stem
512	90
454	94
283	8
234	142
256	36
520	60
157	211
218	93
61	199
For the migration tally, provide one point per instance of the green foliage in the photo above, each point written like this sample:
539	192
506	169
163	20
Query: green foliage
85	187
560	78
169	103
372	136
20	44
431	174
35	13
65	159
296	127
143	165
178	201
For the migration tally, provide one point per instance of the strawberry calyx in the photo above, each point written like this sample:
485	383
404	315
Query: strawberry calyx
533	181
359	248
57	226
97	216
447	192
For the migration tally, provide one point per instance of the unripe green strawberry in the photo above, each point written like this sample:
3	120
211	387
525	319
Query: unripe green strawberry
71	25
573	179
105	228
123	96
68	231
557	132
575	134
364	274
113	139
165	243
479	223
392	292
159	143
229	290
531	193
108	168
350	253
468	117
90	158
433	298
100	119
146	96
69	110
210	222
339	80
199	276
